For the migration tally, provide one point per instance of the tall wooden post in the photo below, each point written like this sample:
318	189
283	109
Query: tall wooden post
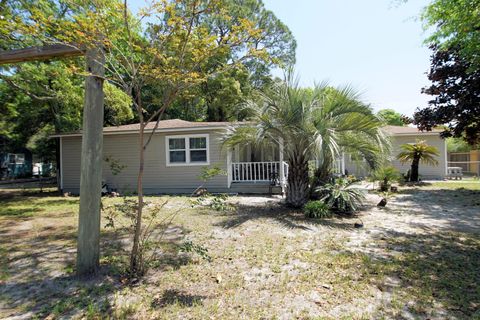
88	248
282	168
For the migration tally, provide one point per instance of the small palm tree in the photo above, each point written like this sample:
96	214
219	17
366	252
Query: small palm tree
416	153
318	123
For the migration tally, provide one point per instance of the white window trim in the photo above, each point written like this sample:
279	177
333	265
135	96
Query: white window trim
187	150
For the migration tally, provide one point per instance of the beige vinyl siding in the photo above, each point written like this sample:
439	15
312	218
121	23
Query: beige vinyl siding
360	169
425	171
158	178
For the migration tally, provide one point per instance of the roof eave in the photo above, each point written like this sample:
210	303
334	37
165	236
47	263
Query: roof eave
106	133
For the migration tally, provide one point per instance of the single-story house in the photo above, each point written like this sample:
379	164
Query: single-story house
404	135
180	149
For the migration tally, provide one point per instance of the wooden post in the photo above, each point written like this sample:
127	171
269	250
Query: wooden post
229	167
40	53
282	169
88	248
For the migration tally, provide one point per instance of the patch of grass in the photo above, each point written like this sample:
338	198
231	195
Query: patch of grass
30	206
455	185
91	299
4	273
432	269
269	263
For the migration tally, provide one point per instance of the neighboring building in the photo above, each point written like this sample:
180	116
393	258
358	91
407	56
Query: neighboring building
14	163
403	135
468	161
180	149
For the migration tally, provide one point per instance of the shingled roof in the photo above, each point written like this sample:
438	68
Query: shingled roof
167	124
163	125
182	125
397	130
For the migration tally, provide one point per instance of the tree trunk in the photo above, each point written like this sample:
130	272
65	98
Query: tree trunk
88	246
321	176
136	256
136	263
414	169
323	173
297	192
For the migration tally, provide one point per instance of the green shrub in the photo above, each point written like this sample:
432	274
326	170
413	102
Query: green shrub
342	196
316	209
386	175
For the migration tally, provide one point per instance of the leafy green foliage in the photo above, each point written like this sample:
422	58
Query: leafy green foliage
416	153
116	167
455	92
217	202
316	123
41	99
455	24
157	218
391	117
419	150
386	175
189	247
316	209
210	172
342	196
457	145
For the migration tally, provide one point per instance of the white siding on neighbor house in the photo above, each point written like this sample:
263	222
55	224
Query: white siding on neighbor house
426	172
158	177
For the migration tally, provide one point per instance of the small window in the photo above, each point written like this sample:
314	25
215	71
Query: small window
20	158
177	150
16	158
198	149
187	150
11	158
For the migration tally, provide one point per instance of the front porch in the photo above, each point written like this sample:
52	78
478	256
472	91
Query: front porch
259	177
257	170
263	169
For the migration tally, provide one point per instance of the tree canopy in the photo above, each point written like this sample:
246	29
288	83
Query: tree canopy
456	96
455	24
253	40
315	123
391	117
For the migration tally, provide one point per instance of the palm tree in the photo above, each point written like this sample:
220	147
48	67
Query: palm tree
316	123
416	153
346	124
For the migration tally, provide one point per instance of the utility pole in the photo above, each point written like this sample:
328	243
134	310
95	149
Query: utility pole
88	245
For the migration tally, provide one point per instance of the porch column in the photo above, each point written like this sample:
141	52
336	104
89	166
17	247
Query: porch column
282	169
229	167
343	163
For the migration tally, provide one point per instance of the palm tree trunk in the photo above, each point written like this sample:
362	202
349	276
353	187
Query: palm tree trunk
297	192
323	173
414	169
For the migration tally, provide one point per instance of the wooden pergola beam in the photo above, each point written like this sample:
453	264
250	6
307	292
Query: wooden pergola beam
40	53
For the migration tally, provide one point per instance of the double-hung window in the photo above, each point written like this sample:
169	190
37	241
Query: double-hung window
187	150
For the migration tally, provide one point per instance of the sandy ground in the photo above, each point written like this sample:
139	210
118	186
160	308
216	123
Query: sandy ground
269	262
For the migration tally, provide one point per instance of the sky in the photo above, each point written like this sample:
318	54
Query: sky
375	46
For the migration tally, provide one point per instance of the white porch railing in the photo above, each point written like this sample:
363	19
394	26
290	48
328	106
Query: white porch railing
259	172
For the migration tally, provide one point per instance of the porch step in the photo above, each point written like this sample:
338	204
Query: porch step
254	188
